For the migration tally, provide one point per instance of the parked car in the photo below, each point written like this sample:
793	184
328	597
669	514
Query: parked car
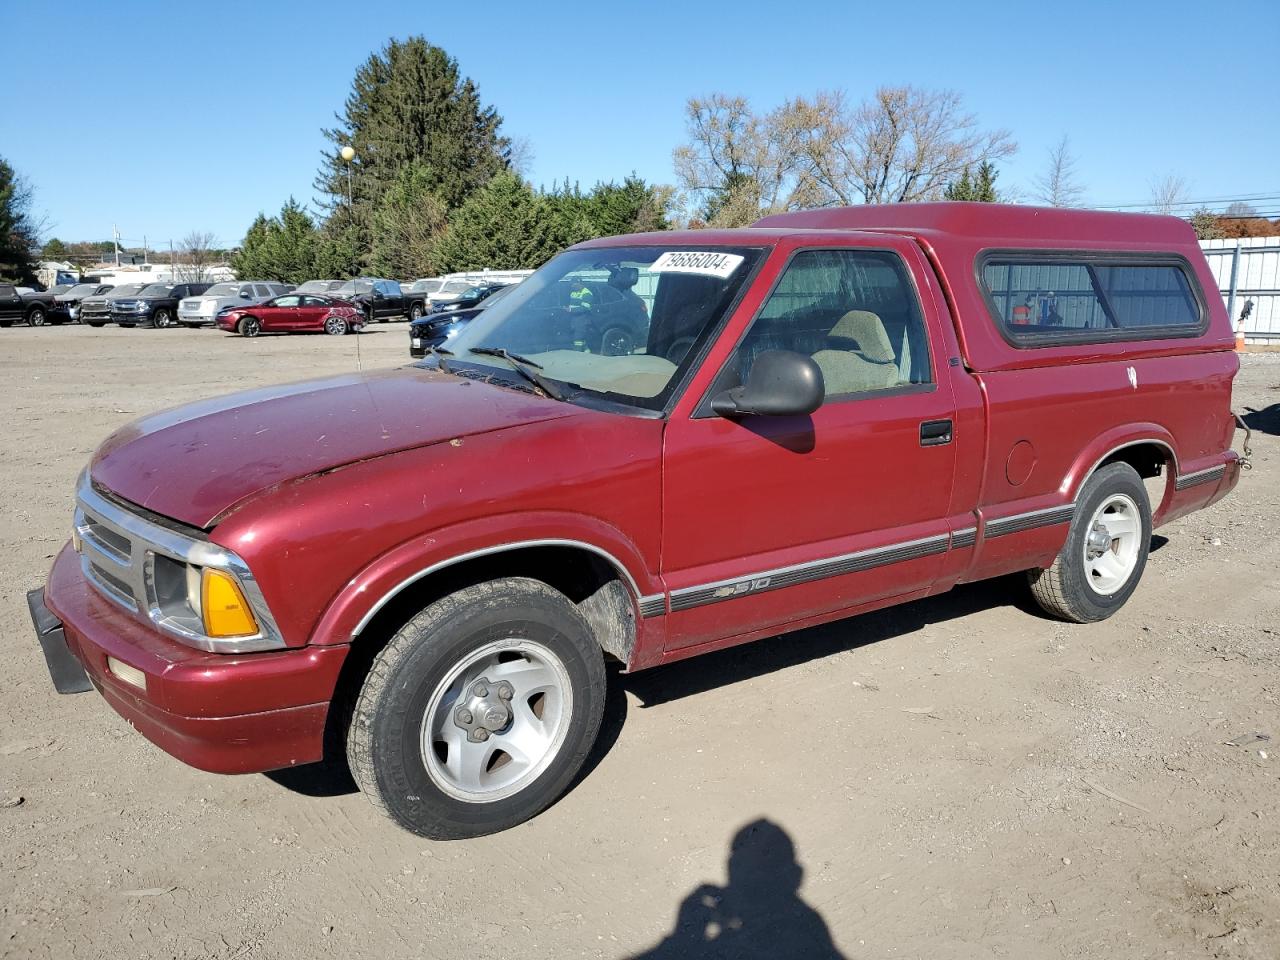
155	305
70	300
319	286
382	300
449	290
96	310
294	313
425	287
31	306
436	329
202	309
831	412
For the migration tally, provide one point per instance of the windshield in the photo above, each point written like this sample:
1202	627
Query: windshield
497	295
155	290
223	290
424	286
621	322
81	290
61	289
355	287
128	290
318	286
457	286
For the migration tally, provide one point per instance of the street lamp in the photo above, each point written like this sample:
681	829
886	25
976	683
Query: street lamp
348	154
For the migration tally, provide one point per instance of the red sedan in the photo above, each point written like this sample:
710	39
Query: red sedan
293	313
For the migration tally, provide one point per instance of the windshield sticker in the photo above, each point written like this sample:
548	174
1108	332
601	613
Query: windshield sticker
708	264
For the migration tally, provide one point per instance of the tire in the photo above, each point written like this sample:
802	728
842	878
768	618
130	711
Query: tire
100	323
161	319
406	743
36	318
415	312
617	342
249	326
1106	549
335	326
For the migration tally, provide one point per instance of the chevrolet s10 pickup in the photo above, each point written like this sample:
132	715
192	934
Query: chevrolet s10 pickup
425	570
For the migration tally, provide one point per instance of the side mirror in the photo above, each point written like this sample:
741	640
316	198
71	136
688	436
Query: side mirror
244	295
781	384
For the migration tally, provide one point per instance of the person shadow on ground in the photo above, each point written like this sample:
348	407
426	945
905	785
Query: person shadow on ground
758	915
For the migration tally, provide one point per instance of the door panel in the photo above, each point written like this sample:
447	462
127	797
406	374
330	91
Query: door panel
770	519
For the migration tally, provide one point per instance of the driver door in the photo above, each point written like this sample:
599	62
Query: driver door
769	521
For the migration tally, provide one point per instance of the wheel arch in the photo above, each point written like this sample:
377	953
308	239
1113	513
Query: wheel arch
1148	448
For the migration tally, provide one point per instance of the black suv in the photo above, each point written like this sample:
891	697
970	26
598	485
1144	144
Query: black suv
382	299
155	305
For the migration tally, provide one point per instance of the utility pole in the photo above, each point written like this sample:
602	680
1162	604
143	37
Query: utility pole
173	264
145	258
115	238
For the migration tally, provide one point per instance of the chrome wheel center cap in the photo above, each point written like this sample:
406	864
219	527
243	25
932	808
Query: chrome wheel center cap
1099	541
484	709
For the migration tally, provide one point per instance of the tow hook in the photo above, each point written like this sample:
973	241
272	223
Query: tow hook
1246	462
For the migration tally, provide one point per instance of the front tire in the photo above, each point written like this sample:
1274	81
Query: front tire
480	711
249	326
1106	550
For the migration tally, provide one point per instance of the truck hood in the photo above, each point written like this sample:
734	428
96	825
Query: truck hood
200	462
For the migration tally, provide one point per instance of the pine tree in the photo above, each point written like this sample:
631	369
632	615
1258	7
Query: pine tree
981	188
504	225
408	224
17	229
409	105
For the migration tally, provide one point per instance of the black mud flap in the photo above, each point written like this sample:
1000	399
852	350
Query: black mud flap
65	670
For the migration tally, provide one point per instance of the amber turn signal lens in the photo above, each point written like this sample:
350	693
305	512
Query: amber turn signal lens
225	610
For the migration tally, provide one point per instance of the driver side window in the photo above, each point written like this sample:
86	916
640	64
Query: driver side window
854	312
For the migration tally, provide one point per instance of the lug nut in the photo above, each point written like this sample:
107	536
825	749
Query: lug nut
463	715
505	691
480	690
482	734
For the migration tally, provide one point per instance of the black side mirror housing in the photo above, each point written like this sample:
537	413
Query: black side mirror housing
782	383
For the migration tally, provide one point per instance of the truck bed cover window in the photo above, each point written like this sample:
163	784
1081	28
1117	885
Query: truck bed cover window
1047	298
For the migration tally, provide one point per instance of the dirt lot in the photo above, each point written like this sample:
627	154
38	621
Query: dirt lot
959	777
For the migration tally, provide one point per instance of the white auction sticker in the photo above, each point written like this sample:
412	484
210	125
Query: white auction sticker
708	264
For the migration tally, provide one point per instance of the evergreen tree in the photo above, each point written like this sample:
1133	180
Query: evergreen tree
981	188
409	105
504	225
252	259
55	249
17	229
286	247
633	207
407	225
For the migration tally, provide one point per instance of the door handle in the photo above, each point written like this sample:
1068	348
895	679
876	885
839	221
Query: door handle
934	433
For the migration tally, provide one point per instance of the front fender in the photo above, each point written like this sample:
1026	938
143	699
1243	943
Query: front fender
409	562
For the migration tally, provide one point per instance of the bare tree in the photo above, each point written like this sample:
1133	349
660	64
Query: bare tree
197	254
1240	209
1058	186
902	145
1167	194
521	156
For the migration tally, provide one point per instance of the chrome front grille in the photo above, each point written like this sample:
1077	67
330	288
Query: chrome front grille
153	571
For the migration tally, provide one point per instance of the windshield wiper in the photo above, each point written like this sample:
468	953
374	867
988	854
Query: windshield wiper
438	355
524	366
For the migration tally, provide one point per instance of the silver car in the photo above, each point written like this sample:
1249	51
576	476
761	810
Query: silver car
202	310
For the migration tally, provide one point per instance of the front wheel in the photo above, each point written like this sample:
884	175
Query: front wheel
617	342
250	326
480	711
1106	549
335	326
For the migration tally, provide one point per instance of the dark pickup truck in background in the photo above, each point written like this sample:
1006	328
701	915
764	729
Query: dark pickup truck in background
155	305
381	299
35	308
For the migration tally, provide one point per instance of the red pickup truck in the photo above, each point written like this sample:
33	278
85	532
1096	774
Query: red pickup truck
425	569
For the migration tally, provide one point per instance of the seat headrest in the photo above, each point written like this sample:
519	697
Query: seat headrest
868	330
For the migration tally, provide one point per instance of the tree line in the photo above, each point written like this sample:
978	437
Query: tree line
420	178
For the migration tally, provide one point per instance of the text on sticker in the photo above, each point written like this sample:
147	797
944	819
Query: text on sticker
709	264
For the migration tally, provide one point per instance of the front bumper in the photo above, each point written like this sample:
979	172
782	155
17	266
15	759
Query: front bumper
221	713
195	319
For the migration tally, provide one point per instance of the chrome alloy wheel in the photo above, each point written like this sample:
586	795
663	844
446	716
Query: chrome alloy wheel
496	720
1111	547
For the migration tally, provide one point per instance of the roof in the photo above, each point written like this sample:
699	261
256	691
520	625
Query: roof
993	221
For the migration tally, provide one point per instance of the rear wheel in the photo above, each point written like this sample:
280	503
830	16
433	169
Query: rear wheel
249	326
162	318
335	326
1106	550
36	318
415	311
480	711
617	342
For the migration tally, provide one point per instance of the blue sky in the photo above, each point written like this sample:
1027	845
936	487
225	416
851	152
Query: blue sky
170	118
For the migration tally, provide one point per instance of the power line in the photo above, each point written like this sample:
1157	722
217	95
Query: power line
1192	203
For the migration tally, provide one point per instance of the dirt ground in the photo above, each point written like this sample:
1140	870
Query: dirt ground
959	777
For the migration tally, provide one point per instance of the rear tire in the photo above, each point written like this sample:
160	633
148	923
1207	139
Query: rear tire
438	744
36	318
335	326
162	319
1106	549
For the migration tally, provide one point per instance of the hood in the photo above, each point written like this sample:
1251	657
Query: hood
199	462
